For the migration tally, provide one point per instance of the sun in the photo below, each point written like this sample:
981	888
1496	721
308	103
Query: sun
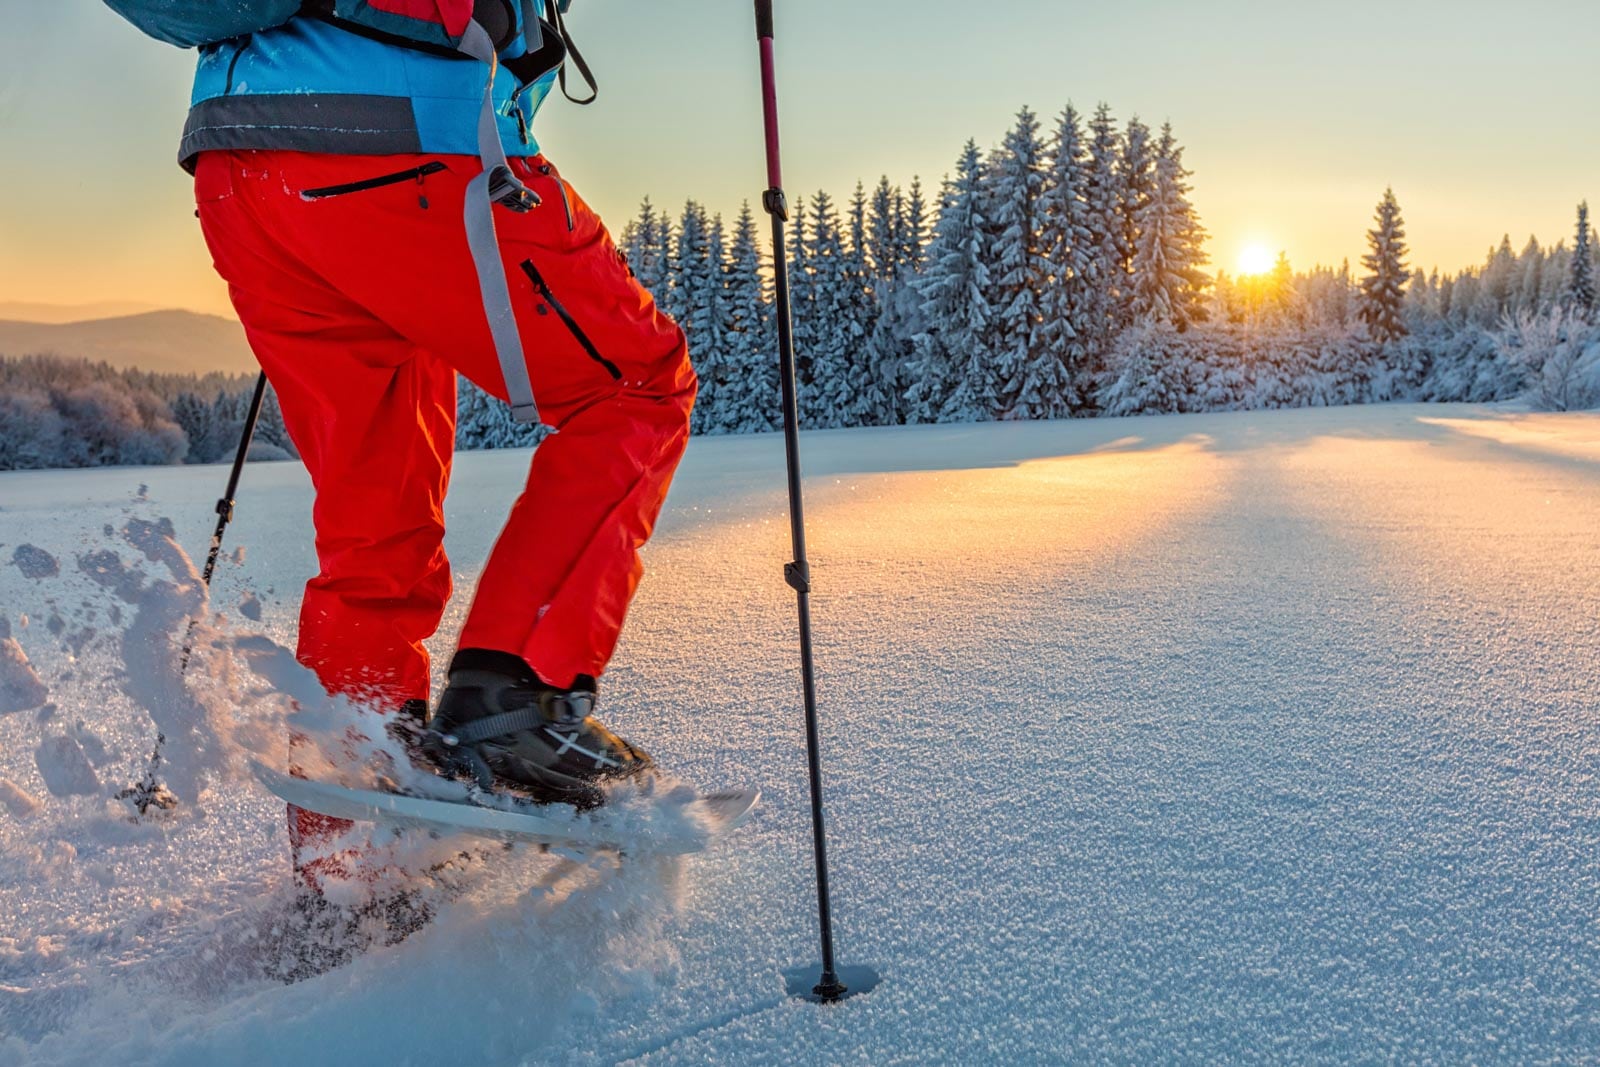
1255	258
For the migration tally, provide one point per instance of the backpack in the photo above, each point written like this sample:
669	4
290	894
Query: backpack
467	29
430	24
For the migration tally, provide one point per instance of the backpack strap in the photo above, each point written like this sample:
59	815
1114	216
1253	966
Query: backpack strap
559	21
496	184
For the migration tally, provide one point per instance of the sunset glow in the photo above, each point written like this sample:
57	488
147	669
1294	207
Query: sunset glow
1255	258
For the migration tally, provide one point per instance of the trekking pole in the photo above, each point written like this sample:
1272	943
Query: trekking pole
798	573
149	791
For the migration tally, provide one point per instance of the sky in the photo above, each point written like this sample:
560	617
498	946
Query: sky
1483	116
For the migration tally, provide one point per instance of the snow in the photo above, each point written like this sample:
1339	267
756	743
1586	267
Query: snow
64	768
21	688
1251	737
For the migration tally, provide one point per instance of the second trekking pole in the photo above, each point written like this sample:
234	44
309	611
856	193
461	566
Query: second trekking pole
828	988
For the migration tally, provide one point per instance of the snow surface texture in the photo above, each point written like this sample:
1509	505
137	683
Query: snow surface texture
1244	738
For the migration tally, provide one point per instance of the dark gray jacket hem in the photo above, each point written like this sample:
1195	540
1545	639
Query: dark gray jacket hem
345	124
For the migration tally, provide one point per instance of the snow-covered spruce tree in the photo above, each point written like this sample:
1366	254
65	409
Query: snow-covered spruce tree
1326	295
1495	284
647	241
1529	277
870	402
483	421
802	314
895	232
913	227
1064	240
1555	281
1135	187
1283	298
1581	289
1107	252
193	417
1168	283
751	395
1144	363
883	230
890	347
949	357
822	252
696	302
1029	381
842	392
1383	287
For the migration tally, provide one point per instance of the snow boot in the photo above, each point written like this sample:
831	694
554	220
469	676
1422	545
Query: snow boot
498	723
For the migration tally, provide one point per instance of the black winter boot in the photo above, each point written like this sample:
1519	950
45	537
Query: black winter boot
500	724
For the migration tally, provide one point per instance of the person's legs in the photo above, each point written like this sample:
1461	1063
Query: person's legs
374	418
610	372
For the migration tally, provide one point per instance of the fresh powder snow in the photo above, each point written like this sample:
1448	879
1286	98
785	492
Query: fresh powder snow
1252	737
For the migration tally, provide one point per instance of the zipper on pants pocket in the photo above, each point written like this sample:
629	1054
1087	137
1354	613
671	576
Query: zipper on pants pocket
407	175
566	317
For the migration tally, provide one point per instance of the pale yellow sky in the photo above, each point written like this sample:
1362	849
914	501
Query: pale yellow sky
1294	119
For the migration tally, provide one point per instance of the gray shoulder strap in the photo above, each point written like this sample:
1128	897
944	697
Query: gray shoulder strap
496	184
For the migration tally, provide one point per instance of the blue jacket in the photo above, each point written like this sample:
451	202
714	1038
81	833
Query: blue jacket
311	86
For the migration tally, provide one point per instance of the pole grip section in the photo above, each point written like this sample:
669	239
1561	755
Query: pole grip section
763	19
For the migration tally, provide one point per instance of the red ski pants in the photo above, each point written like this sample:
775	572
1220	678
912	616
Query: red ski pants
352	277
362	304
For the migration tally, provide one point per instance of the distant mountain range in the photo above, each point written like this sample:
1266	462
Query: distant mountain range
168	342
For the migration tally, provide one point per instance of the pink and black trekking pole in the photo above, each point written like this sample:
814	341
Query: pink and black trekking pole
828	987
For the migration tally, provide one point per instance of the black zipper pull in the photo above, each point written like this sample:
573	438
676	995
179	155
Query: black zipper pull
422	194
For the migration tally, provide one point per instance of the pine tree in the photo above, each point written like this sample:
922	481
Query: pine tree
883	230
193	417
646	241
1167	279
839	390
802	315
1529	278
1103	273
484	421
1582	289
913	228
895	233
1135	188
696	302
1494	290
864	401
1027	379
1383	288
752	392
1065	240
949	370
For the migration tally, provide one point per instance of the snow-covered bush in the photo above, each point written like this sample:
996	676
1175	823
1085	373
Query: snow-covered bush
1560	347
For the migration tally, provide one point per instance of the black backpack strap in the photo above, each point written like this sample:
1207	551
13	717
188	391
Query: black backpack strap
534	64
559	21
